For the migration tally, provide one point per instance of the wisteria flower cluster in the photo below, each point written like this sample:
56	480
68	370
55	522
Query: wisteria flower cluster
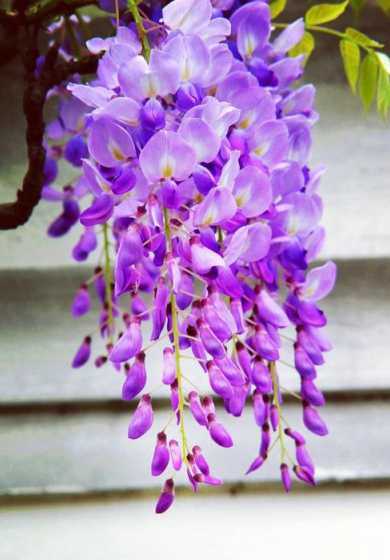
193	142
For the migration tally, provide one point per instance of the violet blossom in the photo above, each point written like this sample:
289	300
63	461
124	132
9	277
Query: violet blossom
194	170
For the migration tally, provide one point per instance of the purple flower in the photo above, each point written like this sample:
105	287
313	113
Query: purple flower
129	344
99	211
218	433
193	143
161	455
166	497
83	353
167	156
142	419
135	378
175	454
285	476
81	303
313	420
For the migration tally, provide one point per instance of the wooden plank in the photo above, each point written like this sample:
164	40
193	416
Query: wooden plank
355	188
78	453
38	337
221	527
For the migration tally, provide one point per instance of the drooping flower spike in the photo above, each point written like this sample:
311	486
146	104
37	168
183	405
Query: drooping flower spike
193	145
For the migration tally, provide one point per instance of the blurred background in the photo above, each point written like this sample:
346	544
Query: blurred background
71	483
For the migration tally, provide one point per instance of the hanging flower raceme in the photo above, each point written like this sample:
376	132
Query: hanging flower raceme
194	169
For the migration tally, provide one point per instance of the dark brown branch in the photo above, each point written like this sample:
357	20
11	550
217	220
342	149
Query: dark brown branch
53	73
41	13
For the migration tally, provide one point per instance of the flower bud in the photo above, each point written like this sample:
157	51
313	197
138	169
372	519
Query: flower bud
313	420
286	478
135	379
83	353
160	458
142	419
166	497
175	451
218	433
81	302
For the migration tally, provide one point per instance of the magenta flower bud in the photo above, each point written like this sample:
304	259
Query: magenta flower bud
159	314
265	346
231	371
218	382
274	417
160	458
138	307
152	115
270	311
244	359
238	314
218	433
99	212
100	361
129	344
83	353
207	479
265	440
175	451
261	376
166	497
260	408
142	419
193	481
212	344
169	368
296	436
303	363
135	378
208	405
175	396
286	478
196	408
125	181
81	302
313	420
303	458
304	474
215	322
200	461
236	404
311	393
256	464
203	179
86	244
100	285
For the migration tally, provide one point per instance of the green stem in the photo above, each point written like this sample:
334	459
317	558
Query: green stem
108	278
276	402
133	7
175	332
327	31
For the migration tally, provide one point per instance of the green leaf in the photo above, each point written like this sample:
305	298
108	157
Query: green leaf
277	7
385	5
350	53
384	61
305	46
321	13
383	93
362	39
357	5
368	79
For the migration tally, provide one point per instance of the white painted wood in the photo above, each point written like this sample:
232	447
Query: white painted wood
354	147
38	338
90	452
314	525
